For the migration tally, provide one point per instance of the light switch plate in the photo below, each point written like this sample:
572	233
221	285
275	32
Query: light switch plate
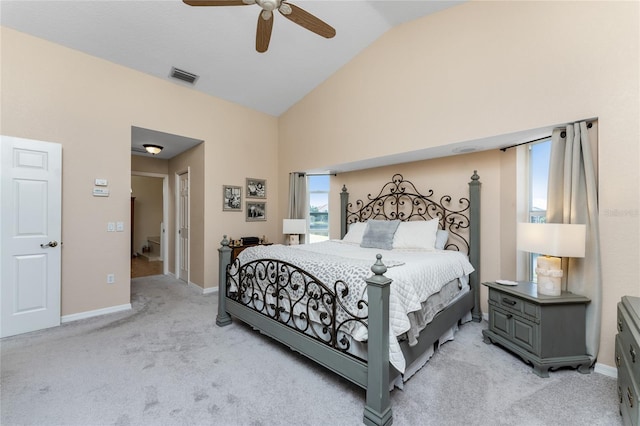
100	192
111	227
120	226
101	182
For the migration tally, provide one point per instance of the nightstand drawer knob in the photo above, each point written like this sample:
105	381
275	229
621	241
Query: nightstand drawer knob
509	316
630	397
508	301
617	360
619	325
633	354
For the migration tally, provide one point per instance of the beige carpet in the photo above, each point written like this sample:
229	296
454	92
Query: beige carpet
166	363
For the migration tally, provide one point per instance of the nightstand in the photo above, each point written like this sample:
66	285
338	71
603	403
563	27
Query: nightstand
628	359
236	250
546	331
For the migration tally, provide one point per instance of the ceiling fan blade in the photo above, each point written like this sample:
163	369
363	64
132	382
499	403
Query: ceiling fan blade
263	33
218	2
306	20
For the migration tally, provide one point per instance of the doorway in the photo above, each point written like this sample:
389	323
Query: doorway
149	213
182	249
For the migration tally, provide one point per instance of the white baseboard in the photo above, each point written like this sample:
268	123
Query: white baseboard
201	290
95	313
606	370
210	290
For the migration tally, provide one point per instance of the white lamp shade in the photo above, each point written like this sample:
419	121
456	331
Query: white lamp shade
552	239
294	226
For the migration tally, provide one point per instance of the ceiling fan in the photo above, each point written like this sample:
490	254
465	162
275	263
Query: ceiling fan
265	19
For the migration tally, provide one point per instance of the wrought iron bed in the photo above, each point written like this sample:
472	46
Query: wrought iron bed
270	308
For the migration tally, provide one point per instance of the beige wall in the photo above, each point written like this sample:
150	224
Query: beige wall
490	68
88	105
143	164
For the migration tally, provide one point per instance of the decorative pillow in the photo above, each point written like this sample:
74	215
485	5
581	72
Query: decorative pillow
418	234
355	232
442	237
379	234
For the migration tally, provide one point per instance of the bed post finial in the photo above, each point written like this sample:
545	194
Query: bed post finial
378	268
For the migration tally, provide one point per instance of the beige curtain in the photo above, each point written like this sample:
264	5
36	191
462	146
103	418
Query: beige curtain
573	198
298	208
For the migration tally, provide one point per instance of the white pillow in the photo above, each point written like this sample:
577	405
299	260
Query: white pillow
418	234
355	233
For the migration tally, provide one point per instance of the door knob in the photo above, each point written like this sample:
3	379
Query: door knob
49	244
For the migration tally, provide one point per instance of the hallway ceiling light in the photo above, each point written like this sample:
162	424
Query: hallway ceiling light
153	149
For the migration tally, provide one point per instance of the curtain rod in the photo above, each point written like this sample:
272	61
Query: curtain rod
302	174
562	135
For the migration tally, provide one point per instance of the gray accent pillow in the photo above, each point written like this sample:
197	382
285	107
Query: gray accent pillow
379	234
442	237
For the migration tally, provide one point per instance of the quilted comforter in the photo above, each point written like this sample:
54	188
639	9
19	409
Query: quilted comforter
416	275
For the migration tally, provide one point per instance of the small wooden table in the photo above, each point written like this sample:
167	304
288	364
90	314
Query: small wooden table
236	250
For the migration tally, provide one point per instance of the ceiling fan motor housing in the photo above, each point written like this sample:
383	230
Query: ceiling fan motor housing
269	5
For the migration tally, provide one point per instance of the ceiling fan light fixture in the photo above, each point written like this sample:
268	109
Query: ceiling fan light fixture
153	149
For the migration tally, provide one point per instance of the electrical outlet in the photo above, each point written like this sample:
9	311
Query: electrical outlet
111	278
111	227
120	226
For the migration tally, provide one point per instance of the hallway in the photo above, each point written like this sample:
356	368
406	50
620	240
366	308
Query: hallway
141	267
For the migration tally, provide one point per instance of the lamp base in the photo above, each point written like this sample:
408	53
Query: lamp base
549	272
549	286
294	239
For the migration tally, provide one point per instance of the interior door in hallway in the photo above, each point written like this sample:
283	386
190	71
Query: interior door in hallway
183	227
30	232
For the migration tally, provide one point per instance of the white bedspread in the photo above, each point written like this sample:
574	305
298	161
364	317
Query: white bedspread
416	275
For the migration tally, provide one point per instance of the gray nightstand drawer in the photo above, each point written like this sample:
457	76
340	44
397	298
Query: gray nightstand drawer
514	304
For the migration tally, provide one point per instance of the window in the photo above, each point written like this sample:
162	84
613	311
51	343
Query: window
538	162
318	207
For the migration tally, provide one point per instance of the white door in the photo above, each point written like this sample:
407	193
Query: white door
30	231
183	227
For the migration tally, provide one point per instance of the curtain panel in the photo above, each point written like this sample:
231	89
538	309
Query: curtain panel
573	198
298	208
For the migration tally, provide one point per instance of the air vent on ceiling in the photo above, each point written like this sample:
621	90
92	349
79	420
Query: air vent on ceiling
183	75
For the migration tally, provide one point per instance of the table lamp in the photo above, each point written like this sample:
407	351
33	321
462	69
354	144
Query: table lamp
293	228
552	241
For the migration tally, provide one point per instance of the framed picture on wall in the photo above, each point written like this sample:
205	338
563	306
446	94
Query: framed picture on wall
256	211
231	198
256	188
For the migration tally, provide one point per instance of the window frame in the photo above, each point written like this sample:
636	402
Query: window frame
310	193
